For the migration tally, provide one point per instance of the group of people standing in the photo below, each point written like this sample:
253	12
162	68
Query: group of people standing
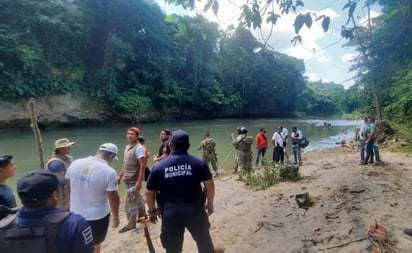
280	141
365	135
179	188
280	138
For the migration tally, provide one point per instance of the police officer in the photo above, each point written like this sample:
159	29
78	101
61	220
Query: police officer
208	144
243	144
176	182
38	192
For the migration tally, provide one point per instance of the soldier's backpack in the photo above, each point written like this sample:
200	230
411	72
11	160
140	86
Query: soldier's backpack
209	145
41	238
304	142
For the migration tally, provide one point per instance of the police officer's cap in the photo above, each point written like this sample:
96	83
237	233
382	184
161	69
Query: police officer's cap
38	185
180	139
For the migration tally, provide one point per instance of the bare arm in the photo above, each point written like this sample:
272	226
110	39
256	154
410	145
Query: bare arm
120	176
200	146
151	203
371	136
210	189
114	201
142	167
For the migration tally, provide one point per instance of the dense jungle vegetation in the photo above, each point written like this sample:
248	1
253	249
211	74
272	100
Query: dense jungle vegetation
130	56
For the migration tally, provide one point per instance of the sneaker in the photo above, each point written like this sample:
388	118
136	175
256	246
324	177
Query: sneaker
295	163
408	231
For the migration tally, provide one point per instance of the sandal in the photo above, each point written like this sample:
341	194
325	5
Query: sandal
125	229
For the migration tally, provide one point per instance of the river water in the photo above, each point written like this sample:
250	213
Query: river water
21	144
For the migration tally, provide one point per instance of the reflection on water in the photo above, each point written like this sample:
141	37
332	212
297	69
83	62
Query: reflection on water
21	144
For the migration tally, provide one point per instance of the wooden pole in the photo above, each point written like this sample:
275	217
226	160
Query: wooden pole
147	235
36	130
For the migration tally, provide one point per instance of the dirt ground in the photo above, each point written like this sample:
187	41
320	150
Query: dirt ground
351	197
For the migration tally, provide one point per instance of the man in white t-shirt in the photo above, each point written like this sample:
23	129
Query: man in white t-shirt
360	136
285	135
92	181
278	141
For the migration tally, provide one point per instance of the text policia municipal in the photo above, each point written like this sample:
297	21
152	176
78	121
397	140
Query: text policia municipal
178	170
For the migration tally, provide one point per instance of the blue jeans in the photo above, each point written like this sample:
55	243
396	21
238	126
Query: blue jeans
376	151
260	151
174	221
369	151
296	152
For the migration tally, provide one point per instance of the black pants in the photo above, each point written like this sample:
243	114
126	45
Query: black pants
278	154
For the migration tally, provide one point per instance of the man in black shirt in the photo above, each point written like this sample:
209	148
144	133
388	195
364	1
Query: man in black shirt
177	182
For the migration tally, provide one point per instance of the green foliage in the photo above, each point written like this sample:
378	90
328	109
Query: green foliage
401	95
131	101
327	98
302	19
266	177
39	46
130	56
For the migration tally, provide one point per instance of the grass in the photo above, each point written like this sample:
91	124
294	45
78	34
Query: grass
267	176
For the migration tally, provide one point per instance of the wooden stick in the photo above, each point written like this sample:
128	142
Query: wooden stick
345	244
147	235
36	130
226	158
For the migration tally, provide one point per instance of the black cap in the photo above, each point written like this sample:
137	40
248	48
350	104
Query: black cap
141	139
38	185
180	139
5	160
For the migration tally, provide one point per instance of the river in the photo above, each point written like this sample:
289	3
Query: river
21	144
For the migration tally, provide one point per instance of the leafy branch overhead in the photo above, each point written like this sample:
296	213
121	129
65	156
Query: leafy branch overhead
254	12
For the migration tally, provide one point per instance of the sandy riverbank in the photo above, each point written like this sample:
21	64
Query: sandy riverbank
351	197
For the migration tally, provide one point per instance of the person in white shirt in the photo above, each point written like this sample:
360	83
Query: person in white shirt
277	140
285	135
360	136
92	181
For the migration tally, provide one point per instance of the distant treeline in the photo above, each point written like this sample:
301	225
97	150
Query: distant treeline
128	55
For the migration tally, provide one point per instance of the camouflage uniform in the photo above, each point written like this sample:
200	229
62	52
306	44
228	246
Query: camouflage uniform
209	154
65	160
243	145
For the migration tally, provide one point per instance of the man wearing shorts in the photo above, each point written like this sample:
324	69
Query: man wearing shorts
92	181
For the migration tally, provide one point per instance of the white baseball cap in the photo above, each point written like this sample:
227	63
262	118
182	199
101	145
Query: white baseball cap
110	147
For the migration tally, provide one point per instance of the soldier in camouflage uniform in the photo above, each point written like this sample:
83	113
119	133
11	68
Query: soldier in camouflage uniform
209	154
243	144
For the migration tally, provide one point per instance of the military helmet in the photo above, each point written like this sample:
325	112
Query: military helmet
243	130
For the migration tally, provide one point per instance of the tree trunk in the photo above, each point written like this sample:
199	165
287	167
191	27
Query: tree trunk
376	96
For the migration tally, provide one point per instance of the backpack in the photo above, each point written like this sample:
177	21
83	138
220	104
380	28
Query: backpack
40	238
304	142
209	145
